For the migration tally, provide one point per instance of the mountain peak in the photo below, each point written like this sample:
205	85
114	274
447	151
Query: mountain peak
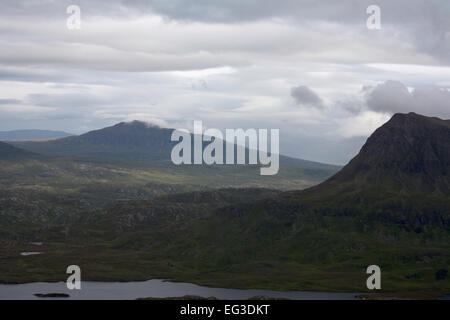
413	120
410	152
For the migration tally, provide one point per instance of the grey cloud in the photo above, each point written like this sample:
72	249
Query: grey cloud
393	96
108	58
237	10
432	101
67	100
427	21
422	24
354	105
192	10
27	75
344	11
10	101
53	9
305	96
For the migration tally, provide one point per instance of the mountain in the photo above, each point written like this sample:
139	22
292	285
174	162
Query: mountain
134	141
410	153
401	175
32	135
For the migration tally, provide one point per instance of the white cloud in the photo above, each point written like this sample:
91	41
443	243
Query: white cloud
150	119
363	124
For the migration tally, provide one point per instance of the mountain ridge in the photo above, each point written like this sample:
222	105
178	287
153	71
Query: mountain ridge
134	141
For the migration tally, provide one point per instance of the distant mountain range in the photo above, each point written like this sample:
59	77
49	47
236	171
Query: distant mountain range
140	155
134	141
32	135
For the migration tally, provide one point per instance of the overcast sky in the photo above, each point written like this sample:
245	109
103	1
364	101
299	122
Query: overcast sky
310	68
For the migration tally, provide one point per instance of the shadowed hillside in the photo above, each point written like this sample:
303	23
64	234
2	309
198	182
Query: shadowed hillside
9	152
